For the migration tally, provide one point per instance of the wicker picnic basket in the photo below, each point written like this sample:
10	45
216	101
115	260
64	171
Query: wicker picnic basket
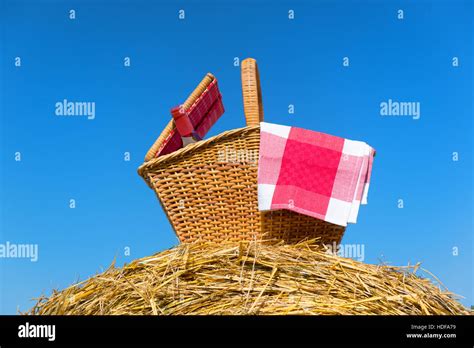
209	189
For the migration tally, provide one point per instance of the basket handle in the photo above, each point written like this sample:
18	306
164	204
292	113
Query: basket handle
206	81
251	92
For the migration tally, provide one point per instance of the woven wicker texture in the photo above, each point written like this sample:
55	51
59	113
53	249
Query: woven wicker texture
209	189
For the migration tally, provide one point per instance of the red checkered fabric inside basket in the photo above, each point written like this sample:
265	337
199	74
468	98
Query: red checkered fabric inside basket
205	111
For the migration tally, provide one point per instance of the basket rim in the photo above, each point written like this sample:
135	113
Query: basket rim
191	148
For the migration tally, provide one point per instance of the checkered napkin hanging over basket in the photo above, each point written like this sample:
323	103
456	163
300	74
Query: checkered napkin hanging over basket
313	173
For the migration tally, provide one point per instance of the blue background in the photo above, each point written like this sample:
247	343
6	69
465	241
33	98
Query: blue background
300	63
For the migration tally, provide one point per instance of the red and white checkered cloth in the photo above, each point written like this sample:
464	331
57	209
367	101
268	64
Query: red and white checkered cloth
312	173
205	111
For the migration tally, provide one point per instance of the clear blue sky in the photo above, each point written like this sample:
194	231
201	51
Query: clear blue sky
300	63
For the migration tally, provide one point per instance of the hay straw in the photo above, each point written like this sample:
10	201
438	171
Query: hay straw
251	278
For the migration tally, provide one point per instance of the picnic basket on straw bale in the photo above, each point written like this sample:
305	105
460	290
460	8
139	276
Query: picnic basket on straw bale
209	189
